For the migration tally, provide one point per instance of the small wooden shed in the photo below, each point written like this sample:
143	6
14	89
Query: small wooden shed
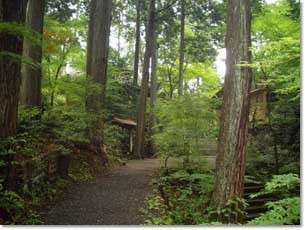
128	124
258	105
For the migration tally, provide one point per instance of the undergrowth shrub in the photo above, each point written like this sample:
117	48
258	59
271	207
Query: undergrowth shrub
11	206
286	209
281	212
281	186
39	134
184	124
115	138
73	126
180	196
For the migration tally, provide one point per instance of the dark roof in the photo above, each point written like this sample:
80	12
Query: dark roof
124	122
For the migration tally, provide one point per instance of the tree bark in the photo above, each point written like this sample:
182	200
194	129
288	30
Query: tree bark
181	56
119	38
30	91
141	121
153	93
137	44
90	36
55	81
97	59
10	11
232	143
171	87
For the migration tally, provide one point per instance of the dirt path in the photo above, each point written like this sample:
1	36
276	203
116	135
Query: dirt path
114	199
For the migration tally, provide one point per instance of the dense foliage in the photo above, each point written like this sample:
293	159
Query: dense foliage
180	196
285	210
275	146
187	126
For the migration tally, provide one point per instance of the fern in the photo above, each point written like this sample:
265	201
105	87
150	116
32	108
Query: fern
285	211
281	185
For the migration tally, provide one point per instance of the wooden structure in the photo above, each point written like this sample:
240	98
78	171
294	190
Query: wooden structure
128	124
24	170
258	105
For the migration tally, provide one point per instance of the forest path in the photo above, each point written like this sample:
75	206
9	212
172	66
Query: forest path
112	199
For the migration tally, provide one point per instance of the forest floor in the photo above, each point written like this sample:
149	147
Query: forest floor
112	199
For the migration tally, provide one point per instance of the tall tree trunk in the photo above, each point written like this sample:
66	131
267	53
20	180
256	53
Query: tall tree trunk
181	56
10	11
137	44
231	153
171	87
90	36
119	38
141	121
97	59
153	93
54	86
30	91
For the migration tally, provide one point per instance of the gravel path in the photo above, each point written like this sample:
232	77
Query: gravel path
114	199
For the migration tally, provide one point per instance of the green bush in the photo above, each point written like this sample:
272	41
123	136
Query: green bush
11	205
180	198
281	186
293	167
72	125
286	210
184	124
282	212
114	142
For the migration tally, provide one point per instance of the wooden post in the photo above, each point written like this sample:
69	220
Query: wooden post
130	141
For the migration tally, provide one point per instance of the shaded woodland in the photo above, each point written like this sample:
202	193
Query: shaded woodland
90	85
